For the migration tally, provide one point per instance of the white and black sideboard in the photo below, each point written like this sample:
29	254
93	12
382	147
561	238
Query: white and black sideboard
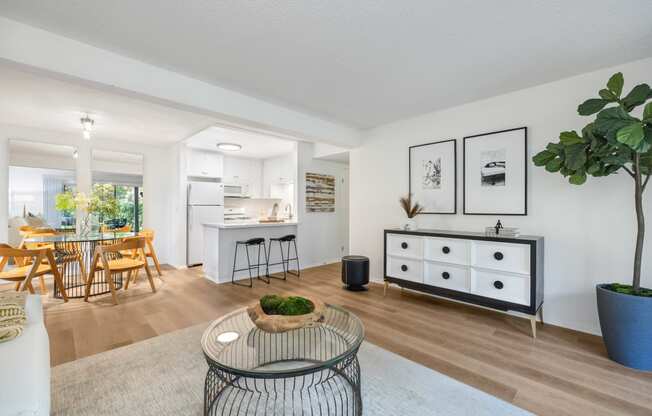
496	272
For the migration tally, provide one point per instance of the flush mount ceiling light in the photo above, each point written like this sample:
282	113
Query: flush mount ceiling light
229	147
87	126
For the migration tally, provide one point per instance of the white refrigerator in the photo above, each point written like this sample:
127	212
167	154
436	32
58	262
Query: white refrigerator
205	205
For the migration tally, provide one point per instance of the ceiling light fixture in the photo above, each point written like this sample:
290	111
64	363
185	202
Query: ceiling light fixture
87	125
229	147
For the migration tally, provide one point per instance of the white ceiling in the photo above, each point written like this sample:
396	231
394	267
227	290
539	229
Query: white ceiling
32	100
363	62
254	145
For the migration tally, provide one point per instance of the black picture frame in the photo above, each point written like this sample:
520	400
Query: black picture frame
525	174
454	143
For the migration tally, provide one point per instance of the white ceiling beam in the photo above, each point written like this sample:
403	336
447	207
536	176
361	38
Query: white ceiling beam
60	56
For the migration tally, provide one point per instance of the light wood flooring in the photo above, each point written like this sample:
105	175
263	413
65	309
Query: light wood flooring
561	373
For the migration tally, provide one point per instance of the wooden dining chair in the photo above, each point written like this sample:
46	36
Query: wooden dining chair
105	229
148	233
108	258
29	232
23	274
150	252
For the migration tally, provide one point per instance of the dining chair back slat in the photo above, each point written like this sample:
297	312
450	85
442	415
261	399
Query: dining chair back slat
42	262
111	259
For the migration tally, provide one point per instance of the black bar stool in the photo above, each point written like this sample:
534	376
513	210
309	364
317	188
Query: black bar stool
249	243
285	257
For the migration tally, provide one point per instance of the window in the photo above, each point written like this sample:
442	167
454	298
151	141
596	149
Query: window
33	191
122	205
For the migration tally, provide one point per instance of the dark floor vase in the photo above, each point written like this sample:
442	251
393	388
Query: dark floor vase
626	323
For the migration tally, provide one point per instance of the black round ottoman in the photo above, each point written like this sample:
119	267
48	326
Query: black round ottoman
355	272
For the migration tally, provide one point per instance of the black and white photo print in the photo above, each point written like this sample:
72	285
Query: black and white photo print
495	173
433	176
492	171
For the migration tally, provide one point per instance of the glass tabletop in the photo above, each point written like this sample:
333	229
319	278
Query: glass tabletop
234	344
77	238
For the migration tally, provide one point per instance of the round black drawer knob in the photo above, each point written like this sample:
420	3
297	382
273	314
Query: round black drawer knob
404	245
446	249
498	284
446	275
498	255
404	268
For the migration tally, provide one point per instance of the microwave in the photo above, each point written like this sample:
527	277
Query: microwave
236	190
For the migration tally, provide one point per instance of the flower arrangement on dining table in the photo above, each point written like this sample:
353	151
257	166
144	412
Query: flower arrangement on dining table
101	204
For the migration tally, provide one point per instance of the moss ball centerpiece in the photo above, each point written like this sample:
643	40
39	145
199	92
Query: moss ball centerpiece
275	313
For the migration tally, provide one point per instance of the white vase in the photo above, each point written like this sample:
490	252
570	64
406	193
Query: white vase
410	224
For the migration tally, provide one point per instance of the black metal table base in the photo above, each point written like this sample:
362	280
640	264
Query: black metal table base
306	371
65	254
330	391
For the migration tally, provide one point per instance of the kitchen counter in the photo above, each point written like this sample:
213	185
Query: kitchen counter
219	247
249	224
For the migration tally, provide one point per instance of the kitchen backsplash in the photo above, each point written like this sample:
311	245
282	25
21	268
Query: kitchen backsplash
257	208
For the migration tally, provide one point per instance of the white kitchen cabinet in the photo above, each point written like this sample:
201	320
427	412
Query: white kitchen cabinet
278	170
244	171
200	163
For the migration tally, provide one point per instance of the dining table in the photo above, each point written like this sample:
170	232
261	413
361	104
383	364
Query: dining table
74	253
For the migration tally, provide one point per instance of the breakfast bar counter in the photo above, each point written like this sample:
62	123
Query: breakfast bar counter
250	224
219	247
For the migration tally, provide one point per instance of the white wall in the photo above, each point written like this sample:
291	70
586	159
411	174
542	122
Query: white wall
321	235
588	230
4	187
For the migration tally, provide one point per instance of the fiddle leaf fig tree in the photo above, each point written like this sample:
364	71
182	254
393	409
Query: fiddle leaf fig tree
615	141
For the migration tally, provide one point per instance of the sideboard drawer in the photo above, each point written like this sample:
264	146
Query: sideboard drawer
501	256
447	276
500	286
405	245
449	250
404	268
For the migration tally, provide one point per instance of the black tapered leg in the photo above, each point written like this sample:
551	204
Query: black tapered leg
235	260
284	260
251	279
267	255
296	257
266	263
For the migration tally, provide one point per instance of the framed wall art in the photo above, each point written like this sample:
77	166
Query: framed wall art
495	173
433	176
320	192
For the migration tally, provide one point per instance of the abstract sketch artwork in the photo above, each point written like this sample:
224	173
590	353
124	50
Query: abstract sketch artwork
432	174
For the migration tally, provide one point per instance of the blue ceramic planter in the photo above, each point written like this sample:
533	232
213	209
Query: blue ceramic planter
626	323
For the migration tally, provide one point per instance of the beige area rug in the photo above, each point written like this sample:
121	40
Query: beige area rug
165	376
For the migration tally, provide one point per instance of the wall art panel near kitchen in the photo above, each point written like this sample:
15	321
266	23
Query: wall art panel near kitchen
495	173
433	176
320	192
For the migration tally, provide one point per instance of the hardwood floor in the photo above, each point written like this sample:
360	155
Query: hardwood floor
561	373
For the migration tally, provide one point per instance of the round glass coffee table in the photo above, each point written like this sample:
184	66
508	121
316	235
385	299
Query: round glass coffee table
311	371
